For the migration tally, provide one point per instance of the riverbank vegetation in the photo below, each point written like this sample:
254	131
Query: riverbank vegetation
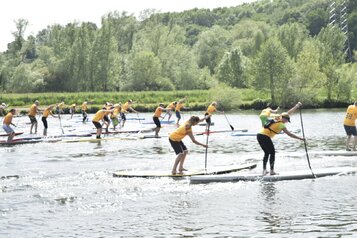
279	51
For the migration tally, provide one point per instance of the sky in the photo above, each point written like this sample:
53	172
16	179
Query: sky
41	13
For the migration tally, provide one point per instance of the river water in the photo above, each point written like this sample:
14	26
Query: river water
67	189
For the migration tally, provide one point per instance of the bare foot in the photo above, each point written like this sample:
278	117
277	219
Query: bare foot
173	172
265	172
273	173
183	169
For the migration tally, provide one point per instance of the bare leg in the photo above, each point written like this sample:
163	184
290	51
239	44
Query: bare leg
355	143
10	137
181	168
177	162
348	142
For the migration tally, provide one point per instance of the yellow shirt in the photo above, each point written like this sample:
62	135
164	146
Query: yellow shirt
179	106
180	133
211	109
125	107
158	112
33	110
99	116
265	113
46	112
84	106
116	111
351	116
8	119
274	129
60	105
73	105
171	106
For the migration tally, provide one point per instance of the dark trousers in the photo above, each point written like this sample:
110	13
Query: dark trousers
267	146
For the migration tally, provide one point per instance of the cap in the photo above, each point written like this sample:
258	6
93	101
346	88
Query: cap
286	116
161	104
3	104
36	101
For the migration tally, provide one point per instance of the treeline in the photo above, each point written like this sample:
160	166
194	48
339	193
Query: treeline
284	47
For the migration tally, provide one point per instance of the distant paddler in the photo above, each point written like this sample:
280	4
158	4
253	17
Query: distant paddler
84	109
350	126
170	108
106	121
264	137
179	147
98	117
34	110
268	113
125	110
3	106
114	116
72	109
180	106
156	116
45	114
60	107
212	108
6	125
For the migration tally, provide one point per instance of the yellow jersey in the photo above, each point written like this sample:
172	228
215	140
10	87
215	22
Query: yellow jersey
179	106
99	115
116	111
33	110
46	112
158	112
274	128
84	106
351	116
125	107
60	105
8	119
211	109
171	106
180	133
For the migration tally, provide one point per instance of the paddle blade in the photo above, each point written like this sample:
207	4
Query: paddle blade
232	127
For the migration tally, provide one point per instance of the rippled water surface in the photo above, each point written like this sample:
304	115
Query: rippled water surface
67	189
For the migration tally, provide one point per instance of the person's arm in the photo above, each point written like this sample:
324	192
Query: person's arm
293	109
195	141
292	135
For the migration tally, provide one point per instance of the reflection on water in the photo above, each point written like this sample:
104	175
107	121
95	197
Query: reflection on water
60	184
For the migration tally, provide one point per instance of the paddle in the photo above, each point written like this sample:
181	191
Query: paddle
208	126
303	135
137	114
163	117
228	121
59	117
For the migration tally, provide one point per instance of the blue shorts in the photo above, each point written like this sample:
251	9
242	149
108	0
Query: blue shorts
178	114
7	129
350	130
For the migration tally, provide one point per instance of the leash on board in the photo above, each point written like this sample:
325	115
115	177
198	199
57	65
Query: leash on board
303	135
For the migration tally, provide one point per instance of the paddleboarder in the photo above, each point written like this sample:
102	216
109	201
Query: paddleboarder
115	114
350	126
156	116
179	147
72	109
171	107
125	109
210	110
6	125
264	137
84	109
268	113
34	110
3	106
45	114
180	106
99	116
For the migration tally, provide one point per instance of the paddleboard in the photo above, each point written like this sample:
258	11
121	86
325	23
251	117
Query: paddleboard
16	134
98	140
243	134
135	118
162	122
151	137
205	124
222	131
333	153
192	172
288	175
20	142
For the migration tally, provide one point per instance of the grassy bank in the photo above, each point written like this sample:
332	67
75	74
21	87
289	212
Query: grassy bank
147	101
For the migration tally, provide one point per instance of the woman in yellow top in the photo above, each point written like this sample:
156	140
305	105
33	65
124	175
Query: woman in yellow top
115	114
125	109
84	110
156	117
99	116
72	109
179	147
6	125
350	125
210	110
171	107
32	115
45	114
178	108
265	136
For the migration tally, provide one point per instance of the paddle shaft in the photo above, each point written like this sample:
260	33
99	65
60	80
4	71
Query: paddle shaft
228	121
303	135
59	117
206	152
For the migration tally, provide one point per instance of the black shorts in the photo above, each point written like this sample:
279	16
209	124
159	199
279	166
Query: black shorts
33	119
350	130
44	120
157	122
208	119
106	118
122	115
178	146
97	124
